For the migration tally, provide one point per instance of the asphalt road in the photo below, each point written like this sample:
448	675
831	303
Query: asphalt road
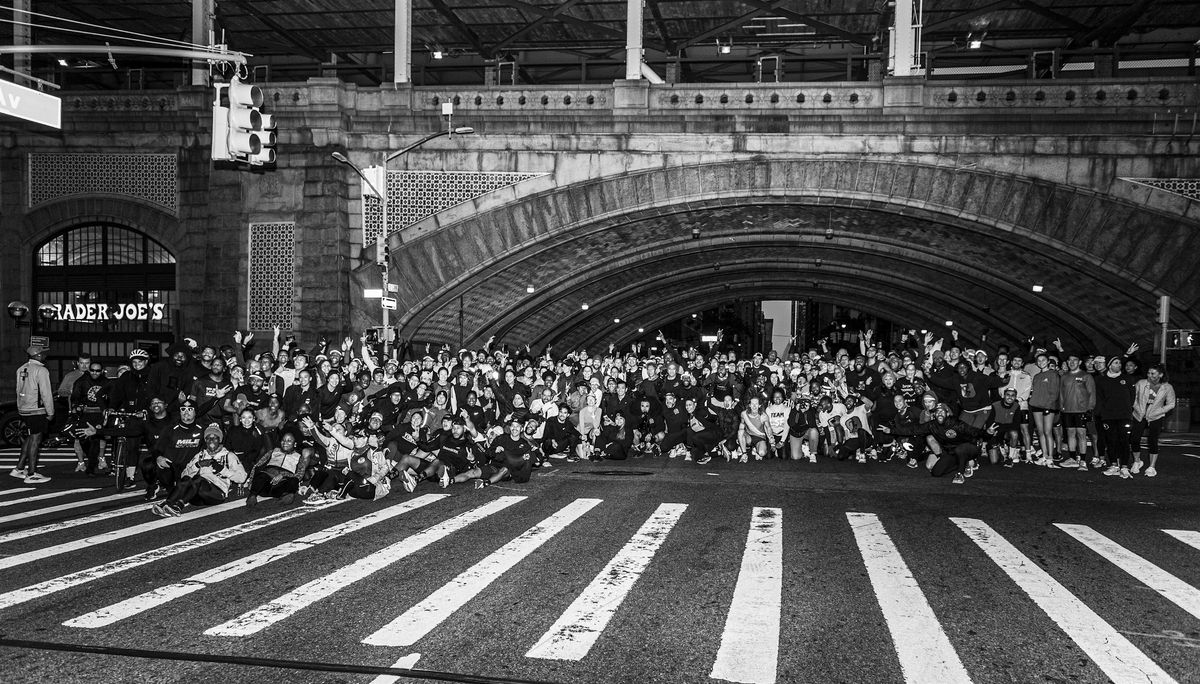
642	571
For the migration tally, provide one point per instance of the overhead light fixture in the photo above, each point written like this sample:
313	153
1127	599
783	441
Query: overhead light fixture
641	330
949	324
726	47
616	320
924	330
975	40
63	63
529	289
373	293
1038	288
584	307
694	315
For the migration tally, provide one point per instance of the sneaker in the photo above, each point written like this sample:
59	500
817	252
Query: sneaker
251	501
175	511
1124	474
1051	464
687	457
1008	463
160	510
314	498
704	460
959	479
1137	467
805	452
912	463
80	467
408	482
744	459
1112	470
812	459
1151	472
150	492
860	457
36	478
969	471
19	473
102	465
444	478
1068	463
1041	461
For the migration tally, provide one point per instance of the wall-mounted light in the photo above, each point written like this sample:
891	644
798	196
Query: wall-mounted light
695	233
1038	288
828	233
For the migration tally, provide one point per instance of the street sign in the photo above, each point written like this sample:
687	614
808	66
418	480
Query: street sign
39	341
31	105
388	303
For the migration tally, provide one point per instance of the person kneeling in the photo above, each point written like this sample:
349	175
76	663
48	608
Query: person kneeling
206	479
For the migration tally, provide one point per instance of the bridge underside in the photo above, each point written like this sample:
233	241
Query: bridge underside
646	268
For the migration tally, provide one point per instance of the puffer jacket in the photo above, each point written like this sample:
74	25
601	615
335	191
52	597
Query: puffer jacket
1145	408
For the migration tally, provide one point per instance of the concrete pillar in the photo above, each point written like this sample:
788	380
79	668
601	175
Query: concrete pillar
633	40
904	46
22	34
203	13
402	44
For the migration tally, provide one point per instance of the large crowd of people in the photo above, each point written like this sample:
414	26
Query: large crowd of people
279	421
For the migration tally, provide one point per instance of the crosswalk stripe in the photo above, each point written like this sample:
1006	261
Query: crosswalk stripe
18	490
75	579
424	617
407	662
113	535
269	613
51	495
165	594
1108	648
1188	537
65	524
577	629
1193	455
1170	587
925	652
749	650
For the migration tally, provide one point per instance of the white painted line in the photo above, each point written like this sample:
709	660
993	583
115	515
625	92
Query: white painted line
63	507
408	662
1112	652
67	524
922	646
1188	537
1170	587
75	579
576	631
51	495
303	596
424	617
1193	455
113	535
749	650
165	594
6	492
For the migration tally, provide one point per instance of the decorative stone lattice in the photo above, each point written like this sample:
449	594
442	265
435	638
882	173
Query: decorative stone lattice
1188	187
272	275
153	178
414	195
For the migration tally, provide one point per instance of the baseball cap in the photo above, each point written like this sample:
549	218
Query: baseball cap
34	350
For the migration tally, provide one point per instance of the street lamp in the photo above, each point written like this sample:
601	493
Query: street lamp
381	235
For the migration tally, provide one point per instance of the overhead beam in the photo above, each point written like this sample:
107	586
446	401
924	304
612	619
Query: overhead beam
300	45
661	26
1050	14
462	27
820	26
950	22
1119	25
733	23
558	14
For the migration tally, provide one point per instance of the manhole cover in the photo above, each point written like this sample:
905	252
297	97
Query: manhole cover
616	473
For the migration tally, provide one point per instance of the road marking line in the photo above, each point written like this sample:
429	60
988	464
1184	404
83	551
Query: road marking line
75	579
408	662
1193	455
67	524
113	535
1188	537
165	594
749	650
51	495
301	597
577	629
64	507
1112	652
6	492
424	617
924	650
1170	587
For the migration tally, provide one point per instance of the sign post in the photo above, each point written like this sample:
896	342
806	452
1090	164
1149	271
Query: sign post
30	105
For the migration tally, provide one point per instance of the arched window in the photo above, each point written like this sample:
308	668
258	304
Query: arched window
112	287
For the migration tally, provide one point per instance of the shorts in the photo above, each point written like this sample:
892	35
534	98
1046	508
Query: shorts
38	424
1074	420
457	467
1039	409
1021	417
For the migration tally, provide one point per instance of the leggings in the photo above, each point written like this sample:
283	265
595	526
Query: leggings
1116	438
261	486
196	491
954	460
1152	430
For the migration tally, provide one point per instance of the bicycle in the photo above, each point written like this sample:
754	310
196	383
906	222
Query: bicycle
114	418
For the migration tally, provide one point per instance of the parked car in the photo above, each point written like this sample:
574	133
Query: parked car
13	429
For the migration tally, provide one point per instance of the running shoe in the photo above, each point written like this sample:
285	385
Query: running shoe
959	479
102	464
173	511
408	481
19	473
160	510
36	478
314	499
80	467
744	459
1112	470
704	460
1008	463
687	456
912	463
1068	463
444	478
861	457
1151	472
150	492
1125	475
969	471
1137	467
251	501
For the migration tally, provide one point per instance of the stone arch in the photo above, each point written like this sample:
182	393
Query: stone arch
1087	243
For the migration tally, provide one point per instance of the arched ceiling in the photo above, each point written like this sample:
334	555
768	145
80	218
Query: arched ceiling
1101	263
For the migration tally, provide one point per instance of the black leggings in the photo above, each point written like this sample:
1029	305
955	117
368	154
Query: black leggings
1116	438
261	486
954	460
1152	430
196	491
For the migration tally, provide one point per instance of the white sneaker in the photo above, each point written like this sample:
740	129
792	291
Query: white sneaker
805	452
1125	474
19	473
444	478
1137	467
861	457
408	481
1068	463
1151	472
81	467
102	465
1043	461
1112	470
744	458
36	478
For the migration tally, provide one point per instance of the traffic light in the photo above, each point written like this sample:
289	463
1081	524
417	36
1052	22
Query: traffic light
1182	339
241	132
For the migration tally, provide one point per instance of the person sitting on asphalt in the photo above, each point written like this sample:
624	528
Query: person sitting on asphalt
206	479
510	458
277	474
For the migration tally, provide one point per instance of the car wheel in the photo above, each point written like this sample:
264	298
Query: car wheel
13	430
